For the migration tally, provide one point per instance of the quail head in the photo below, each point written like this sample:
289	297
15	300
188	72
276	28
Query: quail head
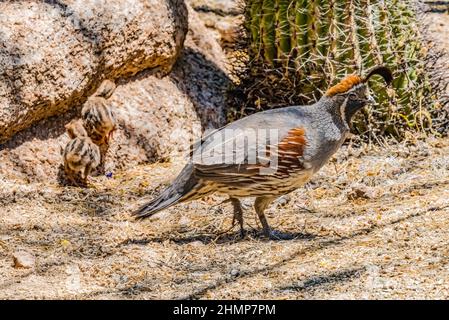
75	129
98	119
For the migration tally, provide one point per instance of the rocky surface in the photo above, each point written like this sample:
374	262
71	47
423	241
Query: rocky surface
224	18
54	53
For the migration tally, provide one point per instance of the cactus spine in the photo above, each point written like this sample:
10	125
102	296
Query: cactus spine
298	48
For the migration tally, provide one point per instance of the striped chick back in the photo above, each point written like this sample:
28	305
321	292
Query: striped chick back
81	156
98	119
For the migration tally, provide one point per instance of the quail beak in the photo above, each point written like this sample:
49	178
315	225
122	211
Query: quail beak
370	99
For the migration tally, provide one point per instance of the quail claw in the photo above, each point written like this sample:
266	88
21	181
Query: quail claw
278	235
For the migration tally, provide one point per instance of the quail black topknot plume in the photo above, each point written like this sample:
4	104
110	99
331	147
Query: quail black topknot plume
306	137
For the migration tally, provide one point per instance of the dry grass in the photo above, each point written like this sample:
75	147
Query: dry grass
372	224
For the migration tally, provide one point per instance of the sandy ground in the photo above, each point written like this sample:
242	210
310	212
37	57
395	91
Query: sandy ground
372	224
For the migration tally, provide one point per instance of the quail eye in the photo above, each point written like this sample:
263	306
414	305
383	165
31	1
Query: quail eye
352	96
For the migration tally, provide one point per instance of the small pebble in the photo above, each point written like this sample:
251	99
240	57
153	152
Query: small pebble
234	272
197	243
359	191
23	259
284	200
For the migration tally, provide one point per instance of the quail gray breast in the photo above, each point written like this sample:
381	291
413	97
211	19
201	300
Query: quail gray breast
268	154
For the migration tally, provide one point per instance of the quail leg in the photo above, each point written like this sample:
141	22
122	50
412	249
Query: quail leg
260	205
109	136
238	215
103	153
69	175
85	174
74	179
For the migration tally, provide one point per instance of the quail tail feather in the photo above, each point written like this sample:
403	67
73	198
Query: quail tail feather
180	190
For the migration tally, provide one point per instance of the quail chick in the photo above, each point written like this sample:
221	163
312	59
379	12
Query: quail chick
270	153
99	120
80	155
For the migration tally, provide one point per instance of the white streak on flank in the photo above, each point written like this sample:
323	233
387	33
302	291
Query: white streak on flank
343	112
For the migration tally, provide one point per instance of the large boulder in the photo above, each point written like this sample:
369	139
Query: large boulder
159	116
53	54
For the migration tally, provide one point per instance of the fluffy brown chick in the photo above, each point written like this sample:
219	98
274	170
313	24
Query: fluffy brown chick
80	155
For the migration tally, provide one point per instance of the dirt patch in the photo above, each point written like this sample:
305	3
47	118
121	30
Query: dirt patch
392	244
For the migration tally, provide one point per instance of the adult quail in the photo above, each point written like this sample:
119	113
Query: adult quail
98	118
268	154
80	155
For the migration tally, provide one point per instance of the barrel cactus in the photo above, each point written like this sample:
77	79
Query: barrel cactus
298	48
